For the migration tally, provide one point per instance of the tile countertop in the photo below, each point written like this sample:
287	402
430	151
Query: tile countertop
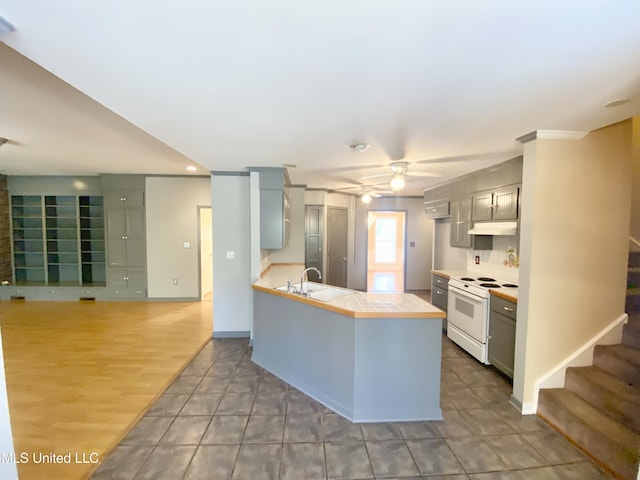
357	305
509	294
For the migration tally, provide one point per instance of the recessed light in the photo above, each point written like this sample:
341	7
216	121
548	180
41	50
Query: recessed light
359	147
617	103
191	168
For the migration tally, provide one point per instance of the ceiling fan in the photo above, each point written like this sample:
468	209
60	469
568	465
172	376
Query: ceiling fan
367	192
398	171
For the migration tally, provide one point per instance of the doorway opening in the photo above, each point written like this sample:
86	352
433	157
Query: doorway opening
386	251
205	252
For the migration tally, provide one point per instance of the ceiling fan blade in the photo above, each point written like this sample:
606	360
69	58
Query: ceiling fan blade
423	174
347	169
378	175
498	156
375	194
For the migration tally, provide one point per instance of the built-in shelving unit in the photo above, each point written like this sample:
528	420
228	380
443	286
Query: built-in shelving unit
28	239
58	240
92	243
62	239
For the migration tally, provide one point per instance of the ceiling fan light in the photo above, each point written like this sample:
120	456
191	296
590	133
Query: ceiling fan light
366	198
397	182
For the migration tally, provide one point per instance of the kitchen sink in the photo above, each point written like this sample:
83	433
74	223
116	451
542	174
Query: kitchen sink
318	291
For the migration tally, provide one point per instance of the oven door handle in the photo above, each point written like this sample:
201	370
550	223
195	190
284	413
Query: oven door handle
464	293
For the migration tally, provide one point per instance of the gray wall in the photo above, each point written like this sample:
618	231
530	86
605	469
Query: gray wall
232	293
419	230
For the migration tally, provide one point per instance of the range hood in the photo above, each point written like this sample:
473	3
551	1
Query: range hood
494	228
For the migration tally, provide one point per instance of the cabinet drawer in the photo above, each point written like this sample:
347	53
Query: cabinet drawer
504	307
439	297
441	282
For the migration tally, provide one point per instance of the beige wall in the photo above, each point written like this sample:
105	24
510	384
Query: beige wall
574	230
172	219
635	204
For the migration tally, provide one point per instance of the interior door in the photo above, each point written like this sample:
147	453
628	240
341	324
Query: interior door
313	240
386	251
337	221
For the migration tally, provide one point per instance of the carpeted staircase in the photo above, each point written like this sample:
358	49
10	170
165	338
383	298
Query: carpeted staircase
599	408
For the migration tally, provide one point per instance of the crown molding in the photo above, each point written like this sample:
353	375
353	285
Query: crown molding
552	135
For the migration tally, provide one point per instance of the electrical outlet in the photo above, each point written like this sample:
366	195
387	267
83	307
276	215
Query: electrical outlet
175	281
477	259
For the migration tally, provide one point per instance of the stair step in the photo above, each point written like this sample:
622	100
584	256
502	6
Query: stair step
631	337
633	276
632	304
631	331
607	393
608	441
622	361
634	259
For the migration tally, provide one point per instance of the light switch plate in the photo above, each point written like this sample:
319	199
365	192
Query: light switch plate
186	244
231	254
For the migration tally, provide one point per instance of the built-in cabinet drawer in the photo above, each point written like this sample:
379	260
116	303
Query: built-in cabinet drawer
439	297
502	334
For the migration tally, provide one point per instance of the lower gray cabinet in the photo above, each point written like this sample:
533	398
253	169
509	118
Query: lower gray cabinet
502	334
440	294
127	282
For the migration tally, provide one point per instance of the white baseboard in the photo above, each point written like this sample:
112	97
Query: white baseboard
554	378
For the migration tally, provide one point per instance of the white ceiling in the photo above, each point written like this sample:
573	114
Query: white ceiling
445	85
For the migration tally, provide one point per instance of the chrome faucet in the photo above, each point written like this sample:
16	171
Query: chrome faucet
304	273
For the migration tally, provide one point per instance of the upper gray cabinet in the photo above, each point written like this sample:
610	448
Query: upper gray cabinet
498	204
274	208
437	208
274	219
461	223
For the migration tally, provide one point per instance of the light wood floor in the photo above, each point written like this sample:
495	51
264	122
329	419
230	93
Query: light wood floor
80	374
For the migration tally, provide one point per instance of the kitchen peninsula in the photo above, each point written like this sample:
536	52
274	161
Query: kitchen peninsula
371	357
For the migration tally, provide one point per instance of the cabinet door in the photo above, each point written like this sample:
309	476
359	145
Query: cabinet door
133	198
502	342
505	203
116	237
482	206
460	223
136	280
117	278
135	237
271	219
437	208
123	198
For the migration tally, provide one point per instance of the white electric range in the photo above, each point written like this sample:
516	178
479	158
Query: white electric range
468	312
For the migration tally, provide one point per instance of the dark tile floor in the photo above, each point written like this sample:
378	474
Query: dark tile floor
226	418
